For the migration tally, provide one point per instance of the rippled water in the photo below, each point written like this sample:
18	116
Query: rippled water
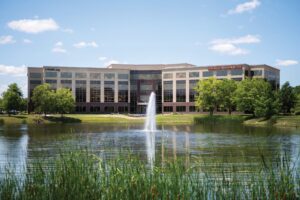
229	144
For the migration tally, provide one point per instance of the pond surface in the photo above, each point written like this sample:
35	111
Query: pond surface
226	143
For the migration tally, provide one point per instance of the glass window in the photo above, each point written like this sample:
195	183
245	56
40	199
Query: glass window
168	75
122	109
222	73
168	91
95	90
123	76
95	75
146	87
192	108
193	84
180	91
80	93
35	75
66	84
236	72
109	76
35	82
109	109
50	74
109	91
80	109
53	83
208	74
80	75
123	91
95	109
168	109
181	75
256	72
180	108
193	74
66	74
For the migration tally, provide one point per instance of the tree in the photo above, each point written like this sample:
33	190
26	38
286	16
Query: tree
207	95
64	101
43	99
244	98
226	90
297	105
297	90
287	98
12	98
257	97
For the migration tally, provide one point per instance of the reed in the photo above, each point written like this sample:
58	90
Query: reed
83	175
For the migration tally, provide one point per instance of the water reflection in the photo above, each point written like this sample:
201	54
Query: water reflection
13	151
232	145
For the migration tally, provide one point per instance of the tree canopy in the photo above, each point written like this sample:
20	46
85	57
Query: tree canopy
12	99
46	100
257	97
225	92
287	97
207	94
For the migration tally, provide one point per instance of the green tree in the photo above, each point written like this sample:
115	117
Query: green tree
297	90
297	105
64	101
287	98
207	94
43	99
244	97
12	98
225	92
257	97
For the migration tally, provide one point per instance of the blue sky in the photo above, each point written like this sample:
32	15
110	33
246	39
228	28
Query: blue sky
96	33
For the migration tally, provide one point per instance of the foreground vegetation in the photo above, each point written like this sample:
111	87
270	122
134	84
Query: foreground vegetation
83	175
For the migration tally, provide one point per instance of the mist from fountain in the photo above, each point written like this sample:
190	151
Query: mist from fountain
150	128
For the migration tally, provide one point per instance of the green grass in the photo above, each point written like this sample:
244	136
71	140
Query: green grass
280	121
82	175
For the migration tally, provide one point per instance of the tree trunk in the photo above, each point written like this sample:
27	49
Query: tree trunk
229	111
211	112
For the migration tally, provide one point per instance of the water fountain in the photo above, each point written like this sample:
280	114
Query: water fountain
150	128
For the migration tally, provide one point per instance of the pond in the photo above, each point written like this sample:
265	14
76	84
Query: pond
229	144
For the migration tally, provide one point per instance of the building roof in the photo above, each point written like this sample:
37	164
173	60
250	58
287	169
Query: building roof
150	66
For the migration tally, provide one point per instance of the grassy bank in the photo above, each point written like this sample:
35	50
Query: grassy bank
95	118
280	121
83	175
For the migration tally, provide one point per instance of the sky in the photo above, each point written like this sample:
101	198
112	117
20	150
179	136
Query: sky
96	33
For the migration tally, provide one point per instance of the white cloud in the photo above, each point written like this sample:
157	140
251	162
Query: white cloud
7	39
102	58
58	48
230	46
13	70
33	25
67	30
286	62
111	62
27	41
245	7
85	44
227	48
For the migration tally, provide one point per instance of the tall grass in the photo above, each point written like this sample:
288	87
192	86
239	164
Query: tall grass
82	175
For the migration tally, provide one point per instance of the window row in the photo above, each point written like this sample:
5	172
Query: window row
107	109
82	75
233	72
179	109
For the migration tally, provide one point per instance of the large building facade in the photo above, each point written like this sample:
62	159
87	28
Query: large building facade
125	88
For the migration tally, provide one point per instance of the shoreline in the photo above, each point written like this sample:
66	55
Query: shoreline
276	121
